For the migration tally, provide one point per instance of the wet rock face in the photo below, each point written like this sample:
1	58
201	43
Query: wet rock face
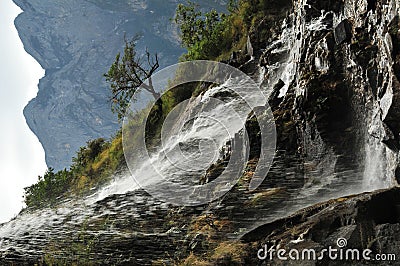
391	120
334	98
343	32
361	220
76	42
343	72
346	115
128	229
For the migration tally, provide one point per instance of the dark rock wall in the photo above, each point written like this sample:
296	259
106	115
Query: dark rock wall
360	220
340	88
342	95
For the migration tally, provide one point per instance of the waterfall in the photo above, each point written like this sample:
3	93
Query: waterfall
380	161
380	165
202	131
192	137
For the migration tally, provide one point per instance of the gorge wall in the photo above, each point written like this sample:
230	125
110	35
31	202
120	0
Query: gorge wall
341	83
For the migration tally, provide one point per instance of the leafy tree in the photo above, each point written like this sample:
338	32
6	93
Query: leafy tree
191	27
48	188
233	6
128	74
86	155
204	35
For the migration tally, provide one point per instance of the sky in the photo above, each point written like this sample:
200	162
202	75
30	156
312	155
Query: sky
21	155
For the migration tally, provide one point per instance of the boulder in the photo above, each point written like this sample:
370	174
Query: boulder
343	32
274	99
392	119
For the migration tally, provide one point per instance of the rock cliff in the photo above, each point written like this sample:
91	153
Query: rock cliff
331	69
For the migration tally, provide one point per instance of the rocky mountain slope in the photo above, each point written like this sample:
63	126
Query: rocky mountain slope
76	42
331	70
359	221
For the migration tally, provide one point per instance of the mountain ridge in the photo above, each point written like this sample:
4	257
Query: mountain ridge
76	43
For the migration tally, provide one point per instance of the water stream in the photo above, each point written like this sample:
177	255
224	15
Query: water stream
32	232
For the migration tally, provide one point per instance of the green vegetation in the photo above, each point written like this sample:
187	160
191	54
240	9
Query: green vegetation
128	74
213	36
92	166
209	35
201	34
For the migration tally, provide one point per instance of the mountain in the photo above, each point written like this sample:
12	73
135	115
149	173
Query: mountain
76	42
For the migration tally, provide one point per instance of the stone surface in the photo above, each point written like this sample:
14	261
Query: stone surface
361	220
336	116
343	32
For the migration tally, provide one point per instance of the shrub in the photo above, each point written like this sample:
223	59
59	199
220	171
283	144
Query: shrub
205	36
92	166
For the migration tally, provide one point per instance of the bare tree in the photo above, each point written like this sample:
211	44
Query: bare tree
128	74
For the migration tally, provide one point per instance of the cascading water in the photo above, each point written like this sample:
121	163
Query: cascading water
379	161
324	176
213	122
319	173
302	50
192	136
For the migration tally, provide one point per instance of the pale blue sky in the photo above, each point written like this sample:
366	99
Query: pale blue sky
22	156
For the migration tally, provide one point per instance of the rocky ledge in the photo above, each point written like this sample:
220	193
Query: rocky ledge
364	221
